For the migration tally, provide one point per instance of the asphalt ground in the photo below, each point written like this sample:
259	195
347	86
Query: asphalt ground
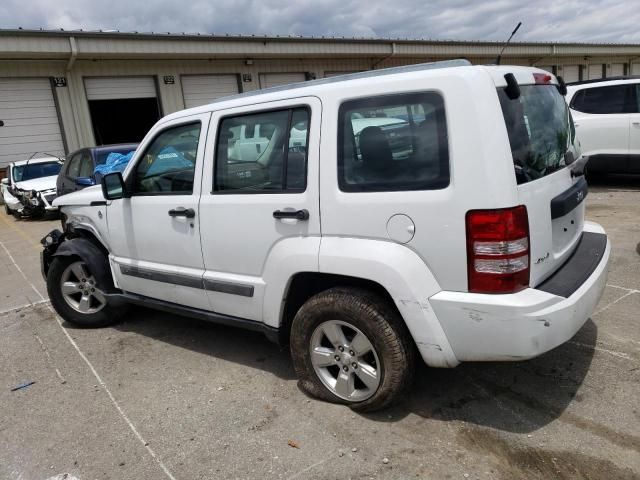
164	397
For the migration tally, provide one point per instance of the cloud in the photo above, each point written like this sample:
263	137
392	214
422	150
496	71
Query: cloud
544	20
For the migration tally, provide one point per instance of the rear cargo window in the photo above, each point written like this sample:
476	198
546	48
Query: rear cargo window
540	130
393	143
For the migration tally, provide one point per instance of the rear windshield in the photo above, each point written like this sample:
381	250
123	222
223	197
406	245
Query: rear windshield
540	129
22	173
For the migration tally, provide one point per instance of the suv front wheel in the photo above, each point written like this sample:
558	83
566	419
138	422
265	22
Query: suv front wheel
77	296
349	346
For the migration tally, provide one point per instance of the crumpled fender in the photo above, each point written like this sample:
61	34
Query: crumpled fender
97	261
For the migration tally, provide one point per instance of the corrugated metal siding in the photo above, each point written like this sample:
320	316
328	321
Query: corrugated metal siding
570	73
595	71
202	89
617	69
31	125
109	88
274	79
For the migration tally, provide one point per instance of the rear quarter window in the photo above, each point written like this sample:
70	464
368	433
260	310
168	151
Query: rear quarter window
393	143
606	100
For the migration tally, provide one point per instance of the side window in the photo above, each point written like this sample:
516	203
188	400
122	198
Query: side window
168	165
263	152
73	170
86	165
393	143
605	100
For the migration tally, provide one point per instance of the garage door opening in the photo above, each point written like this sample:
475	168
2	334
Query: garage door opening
122	109
123	120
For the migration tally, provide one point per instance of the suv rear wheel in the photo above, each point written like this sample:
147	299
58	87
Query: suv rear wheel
349	346
76	295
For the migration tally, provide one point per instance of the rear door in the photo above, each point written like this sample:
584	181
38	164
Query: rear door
542	142
256	205
602	119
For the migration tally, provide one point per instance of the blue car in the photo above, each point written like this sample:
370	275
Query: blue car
78	170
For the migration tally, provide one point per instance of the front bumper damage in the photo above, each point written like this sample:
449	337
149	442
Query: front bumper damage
34	203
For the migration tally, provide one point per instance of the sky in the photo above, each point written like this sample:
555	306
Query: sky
609	21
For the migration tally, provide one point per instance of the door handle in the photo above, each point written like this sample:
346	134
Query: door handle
182	212
296	214
635	124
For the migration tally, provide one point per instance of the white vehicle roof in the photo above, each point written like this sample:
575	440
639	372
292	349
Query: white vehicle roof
35	161
604	82
524	75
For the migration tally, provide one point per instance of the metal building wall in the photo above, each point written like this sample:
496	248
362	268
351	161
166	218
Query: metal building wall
34	56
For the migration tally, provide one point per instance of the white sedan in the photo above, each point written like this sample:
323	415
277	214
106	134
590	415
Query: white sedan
30	186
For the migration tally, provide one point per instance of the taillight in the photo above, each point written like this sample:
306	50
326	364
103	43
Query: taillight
498	250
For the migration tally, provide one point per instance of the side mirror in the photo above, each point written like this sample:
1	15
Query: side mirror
5	181
113	186
85	181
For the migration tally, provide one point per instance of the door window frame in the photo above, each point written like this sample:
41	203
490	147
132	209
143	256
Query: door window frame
284	108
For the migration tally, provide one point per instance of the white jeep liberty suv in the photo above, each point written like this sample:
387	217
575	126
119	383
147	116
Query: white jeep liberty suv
433	210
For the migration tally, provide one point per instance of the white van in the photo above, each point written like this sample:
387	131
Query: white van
433	210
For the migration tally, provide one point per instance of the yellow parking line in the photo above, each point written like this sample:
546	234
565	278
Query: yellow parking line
21	232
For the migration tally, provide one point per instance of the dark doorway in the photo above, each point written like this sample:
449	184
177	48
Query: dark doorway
122	120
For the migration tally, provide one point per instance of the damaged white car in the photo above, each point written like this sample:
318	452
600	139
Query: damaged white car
30	186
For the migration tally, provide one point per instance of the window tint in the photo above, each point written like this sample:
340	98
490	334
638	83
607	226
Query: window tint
263	152
101	156
603	100
86	165
395	142
540	130
73	167
168	165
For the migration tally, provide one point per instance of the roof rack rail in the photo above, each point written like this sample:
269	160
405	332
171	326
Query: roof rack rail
355	76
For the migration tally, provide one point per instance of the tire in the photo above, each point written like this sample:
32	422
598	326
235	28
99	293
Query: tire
73	307
6	209
354	312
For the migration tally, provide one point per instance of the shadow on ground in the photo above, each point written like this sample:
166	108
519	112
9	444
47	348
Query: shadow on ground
509	396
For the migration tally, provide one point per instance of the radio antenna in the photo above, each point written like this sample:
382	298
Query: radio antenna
507	43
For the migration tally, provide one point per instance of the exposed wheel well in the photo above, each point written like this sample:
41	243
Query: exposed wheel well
307	284
79	232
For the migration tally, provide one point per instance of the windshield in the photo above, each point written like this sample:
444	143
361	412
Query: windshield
540	129
22	173
101	157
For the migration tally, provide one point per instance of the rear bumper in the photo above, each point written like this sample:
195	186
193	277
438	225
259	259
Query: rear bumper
526	324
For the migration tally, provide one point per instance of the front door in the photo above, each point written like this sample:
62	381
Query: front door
259	206
155	234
